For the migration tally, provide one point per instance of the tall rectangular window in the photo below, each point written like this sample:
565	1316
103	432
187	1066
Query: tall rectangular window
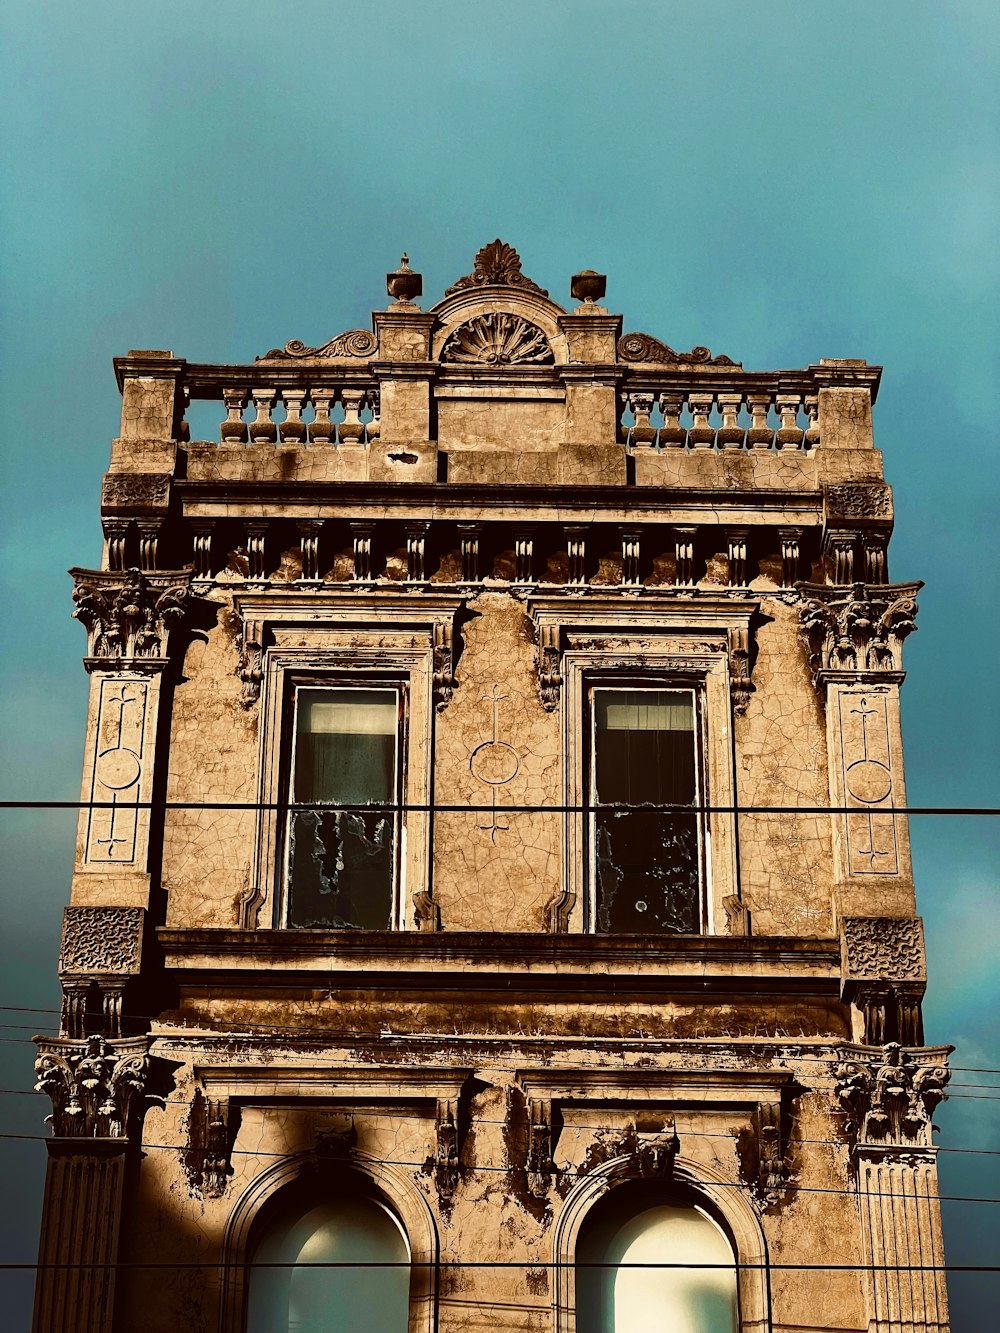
645	863
342	863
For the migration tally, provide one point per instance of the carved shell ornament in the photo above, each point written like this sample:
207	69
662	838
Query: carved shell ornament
498	340
496	264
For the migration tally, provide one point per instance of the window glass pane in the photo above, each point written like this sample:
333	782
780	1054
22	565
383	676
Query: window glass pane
636	1286
646	861
341	863
290	1299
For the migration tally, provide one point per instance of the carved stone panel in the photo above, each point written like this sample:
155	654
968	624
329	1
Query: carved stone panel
101	940
875	948
867	778
113	822
135	490
858	499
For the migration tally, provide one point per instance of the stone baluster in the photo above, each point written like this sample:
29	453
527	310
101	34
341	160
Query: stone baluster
469	540
672	433
373	399
149	541
642	432
576	555
202	542
684	556
730	434
309	531
234	429
702	433
524	555
811	438
115	534
631	558
352	428
875	563
736	540
791	542
362	534
790	433
416	552
256	537
293	429
760	434
263	429
321	429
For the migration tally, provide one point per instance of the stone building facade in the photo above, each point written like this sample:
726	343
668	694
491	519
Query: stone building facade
490	849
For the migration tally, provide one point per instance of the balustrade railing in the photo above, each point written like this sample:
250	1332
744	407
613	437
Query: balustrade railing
318	416
722	419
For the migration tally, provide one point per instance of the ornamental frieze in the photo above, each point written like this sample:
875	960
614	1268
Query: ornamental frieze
135	490
858	499
104	940
876	948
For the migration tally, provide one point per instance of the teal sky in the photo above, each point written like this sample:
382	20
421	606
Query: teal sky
782	181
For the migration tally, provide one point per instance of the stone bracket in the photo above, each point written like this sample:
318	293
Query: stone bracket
542	1139
447	1166
211	1131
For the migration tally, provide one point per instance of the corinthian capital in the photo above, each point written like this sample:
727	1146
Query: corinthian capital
128	615
92	1083
857	631
890	1096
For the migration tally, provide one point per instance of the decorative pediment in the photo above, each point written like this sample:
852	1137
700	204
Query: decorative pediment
497	264
356	342
637	347
498	339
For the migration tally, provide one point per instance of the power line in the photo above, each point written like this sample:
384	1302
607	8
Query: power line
736	1265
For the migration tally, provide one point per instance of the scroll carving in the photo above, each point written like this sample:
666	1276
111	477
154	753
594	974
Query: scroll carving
92	1084
446	1160
549	666
498	339
860	628
206	1162
496	264
135	490
859	499
129	615
105	940
356	343
741	687
771	1177
637	347
250	664
890	1100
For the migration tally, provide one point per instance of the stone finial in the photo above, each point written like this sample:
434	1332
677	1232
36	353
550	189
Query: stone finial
402	283
588	286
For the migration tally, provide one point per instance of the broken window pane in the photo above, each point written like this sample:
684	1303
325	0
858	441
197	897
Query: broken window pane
646	862
341	863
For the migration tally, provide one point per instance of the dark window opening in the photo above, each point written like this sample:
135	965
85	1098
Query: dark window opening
342	863
646	862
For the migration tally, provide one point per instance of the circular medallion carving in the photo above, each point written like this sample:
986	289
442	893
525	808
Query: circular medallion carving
869	781
494	762
118	769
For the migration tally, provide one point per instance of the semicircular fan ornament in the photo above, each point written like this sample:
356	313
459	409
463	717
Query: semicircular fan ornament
498	339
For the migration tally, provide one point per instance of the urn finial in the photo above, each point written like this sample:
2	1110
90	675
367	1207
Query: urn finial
588	286
402	283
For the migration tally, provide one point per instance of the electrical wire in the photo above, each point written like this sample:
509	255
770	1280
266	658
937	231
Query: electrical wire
610	807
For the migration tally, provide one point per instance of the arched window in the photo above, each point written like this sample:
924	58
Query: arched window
339	1294
652	1263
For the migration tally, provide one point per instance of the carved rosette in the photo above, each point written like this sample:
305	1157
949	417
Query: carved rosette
889	1099
354	343
858	629
92	1083
498	339
496	264
128	616
640	347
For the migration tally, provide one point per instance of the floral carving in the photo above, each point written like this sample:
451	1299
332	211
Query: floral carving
884	948
641	347
499	339
356	342
92	1083
249	666
127	615
105	940
496	264
858	628
135	490
891	1101
859	499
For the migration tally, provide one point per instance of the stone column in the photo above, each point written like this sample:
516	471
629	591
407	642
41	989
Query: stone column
92	1083
889	1096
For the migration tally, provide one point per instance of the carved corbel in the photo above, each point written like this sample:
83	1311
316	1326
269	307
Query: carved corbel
740	685
447	1169
540	1166
207	1160
889	1097
883	976
92	1084
549	665
469	534
309	534
771	1179
250	661
443	651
